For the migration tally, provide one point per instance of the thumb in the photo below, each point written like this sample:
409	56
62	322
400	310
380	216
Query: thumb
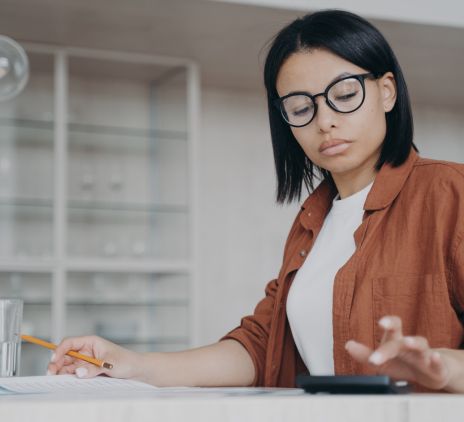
88	371
358	351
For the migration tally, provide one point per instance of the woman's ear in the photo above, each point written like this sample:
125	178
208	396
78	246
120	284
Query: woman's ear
387	86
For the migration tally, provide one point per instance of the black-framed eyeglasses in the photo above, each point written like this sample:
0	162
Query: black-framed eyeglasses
344	95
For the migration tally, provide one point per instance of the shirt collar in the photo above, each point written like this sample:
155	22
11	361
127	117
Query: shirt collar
317	205
387	185
389	182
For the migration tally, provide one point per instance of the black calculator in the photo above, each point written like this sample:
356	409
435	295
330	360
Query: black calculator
351	384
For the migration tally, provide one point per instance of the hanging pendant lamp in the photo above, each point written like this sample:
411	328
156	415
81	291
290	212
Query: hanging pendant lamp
14	68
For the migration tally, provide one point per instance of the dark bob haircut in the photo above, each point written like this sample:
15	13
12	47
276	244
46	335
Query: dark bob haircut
356	40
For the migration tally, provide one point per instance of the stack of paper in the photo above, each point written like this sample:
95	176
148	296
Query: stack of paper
70	384
102	385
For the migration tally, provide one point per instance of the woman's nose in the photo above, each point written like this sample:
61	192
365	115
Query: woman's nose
326	117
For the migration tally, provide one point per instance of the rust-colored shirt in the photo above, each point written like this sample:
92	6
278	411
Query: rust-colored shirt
409	262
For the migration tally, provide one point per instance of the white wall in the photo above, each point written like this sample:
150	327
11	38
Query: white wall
445	12
439	132
242	230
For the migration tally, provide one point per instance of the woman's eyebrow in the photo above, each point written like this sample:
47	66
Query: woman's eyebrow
343	74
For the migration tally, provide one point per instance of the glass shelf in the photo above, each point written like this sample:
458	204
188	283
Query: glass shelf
116	267
166	135
25	264
21	149
132	288
131	309
159	303
126	266
109	169
21	284
77	204
104	233
140	322
81	204
124	169
19	123
26	202
27	231
83	128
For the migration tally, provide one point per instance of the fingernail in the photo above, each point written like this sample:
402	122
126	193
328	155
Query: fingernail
409	341
81	372
376	358
348	344
385	323
49	373
53	357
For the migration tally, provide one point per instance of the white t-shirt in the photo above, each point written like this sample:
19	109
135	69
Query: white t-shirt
309	303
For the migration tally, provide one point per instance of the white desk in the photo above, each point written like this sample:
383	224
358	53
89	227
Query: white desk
216	407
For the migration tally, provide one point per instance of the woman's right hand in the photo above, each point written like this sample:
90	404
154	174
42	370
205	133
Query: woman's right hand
126	363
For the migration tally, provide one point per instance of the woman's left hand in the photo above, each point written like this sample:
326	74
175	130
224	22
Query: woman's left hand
403	358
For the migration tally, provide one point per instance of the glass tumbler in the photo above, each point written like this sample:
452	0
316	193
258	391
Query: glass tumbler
11	314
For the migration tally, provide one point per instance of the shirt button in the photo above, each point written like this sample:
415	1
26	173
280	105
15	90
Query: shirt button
309	214
302	253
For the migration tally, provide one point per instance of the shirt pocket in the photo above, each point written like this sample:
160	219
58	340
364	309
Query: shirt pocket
420	300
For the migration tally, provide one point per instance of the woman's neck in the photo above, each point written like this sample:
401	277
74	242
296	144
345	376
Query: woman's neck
349	183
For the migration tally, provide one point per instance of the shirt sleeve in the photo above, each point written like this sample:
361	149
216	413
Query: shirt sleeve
457	280
253	332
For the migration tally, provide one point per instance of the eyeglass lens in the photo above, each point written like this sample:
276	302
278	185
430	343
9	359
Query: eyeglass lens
344	96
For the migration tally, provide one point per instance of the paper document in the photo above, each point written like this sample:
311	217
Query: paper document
70	384
102	385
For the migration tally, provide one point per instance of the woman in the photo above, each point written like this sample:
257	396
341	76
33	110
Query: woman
372	275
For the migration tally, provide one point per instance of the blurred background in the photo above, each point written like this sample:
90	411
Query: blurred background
136	172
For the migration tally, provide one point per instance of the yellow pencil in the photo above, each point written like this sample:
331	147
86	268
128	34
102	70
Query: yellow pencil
72	353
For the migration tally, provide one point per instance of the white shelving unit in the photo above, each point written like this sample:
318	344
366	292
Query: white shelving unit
97	201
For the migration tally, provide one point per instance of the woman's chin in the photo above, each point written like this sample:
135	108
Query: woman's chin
339	166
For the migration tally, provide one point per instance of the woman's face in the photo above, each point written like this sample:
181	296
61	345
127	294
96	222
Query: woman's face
358	135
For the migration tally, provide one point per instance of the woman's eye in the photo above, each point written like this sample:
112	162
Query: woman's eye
346	96
301	111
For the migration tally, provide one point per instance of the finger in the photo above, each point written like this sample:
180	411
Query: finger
418	351
62	362
88	371
386	351
429	357
66	360
358	351
417	343
71	343
68	369
52	369
437	365
429	365
392	326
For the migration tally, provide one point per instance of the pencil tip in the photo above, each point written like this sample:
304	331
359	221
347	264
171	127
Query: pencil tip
107	365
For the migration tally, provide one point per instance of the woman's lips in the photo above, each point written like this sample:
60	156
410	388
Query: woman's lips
334	146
